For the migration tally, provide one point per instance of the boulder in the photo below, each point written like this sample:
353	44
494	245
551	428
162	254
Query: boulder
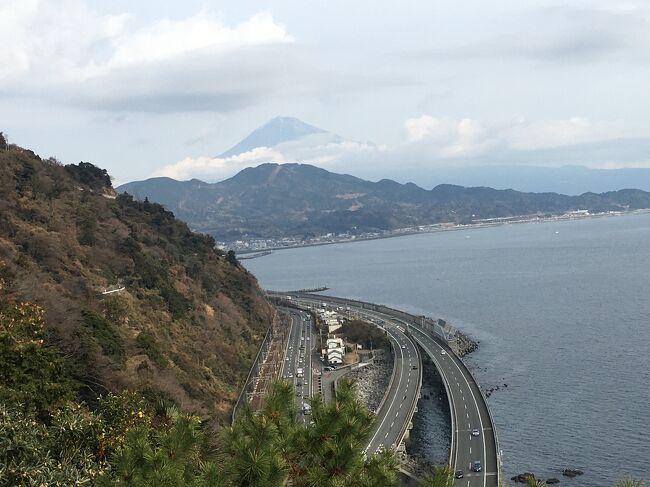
523	477
571	472
552	481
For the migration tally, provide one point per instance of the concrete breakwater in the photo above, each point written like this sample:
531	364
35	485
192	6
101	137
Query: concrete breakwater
461	344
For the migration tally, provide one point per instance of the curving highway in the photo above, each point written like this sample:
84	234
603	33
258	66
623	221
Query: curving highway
400	401
473	436
469	412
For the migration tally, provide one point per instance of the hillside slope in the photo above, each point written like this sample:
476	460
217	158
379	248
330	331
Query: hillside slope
188	323
299	200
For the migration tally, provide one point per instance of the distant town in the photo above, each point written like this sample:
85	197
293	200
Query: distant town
257	247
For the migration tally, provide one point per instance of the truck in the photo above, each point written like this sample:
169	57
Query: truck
299	372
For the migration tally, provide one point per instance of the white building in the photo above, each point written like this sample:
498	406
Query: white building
335	350
334	357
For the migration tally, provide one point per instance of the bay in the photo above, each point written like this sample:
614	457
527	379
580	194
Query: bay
562	313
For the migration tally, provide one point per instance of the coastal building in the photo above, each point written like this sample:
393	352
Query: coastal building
335	351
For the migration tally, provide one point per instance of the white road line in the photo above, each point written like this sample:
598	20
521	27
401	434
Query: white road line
479	416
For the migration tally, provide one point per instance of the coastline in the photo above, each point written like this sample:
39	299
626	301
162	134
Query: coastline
446	227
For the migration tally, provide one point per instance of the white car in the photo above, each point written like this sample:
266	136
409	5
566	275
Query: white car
442	352
475	432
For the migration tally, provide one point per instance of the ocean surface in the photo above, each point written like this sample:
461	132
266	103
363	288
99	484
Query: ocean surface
562	313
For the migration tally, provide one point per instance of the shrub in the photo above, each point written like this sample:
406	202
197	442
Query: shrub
147	343
104	334
31	374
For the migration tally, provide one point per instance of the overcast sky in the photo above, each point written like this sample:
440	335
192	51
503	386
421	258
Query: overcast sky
139	86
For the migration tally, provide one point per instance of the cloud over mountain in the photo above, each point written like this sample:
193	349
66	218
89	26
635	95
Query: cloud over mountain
430	143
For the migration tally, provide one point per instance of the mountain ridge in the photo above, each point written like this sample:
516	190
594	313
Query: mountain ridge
301	200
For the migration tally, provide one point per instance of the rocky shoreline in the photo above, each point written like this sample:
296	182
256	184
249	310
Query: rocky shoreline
523	478
373	380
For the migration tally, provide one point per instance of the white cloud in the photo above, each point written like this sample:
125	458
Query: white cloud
526	135
63	51
449	138
434	142
217	168
168	39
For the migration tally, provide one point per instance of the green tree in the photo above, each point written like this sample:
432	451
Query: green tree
3	141
231	258
441	476
172	455
31	374
330	452
269	448
628	481
87	226
533	482
258	444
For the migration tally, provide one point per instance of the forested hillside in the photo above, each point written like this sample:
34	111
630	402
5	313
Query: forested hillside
302	201
188	322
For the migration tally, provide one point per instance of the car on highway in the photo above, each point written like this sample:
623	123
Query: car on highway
403	346
476	466
442	352
475	432
458	474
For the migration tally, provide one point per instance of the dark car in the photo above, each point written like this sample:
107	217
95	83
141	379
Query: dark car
459	474
476	466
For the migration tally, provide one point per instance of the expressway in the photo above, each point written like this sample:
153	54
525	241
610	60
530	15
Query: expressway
396	411
298	365
468	407
469	412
